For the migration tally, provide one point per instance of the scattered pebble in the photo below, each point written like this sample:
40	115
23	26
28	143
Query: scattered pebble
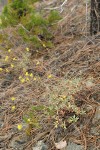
73	146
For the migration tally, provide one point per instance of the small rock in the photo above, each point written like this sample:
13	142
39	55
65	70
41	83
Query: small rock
1	124
73	146
97	115
95	131
2	146
40	146
89	84
18	143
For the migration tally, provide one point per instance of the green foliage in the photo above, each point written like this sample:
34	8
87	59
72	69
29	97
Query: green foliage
73	119
33	23
8	18
19	4
37	20
53	17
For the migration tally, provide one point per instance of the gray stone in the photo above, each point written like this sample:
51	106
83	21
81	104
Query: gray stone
40	146
1	124
97	115
73	146
95	131
18	143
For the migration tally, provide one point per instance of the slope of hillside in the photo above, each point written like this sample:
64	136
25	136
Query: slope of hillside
51	95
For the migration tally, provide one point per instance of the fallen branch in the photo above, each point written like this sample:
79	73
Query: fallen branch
61	6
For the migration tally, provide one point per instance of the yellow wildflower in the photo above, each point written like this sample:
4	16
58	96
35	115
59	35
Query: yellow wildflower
14	58
29	120
19	126
49	76
13	98
12	66
34	78
63	96
31	74
22	80
1	69
27	49
37	63
27	79
13	108
20	77
44	45
26	74
6	58
9	50
7	70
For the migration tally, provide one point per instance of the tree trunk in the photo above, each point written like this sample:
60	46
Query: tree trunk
95	17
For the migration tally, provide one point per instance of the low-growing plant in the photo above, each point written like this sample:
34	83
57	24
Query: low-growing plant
61	110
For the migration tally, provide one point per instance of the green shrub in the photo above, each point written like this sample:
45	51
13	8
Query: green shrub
30	22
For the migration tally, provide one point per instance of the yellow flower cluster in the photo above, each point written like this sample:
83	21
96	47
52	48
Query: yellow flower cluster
27	77
27	74
10	58
22	80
